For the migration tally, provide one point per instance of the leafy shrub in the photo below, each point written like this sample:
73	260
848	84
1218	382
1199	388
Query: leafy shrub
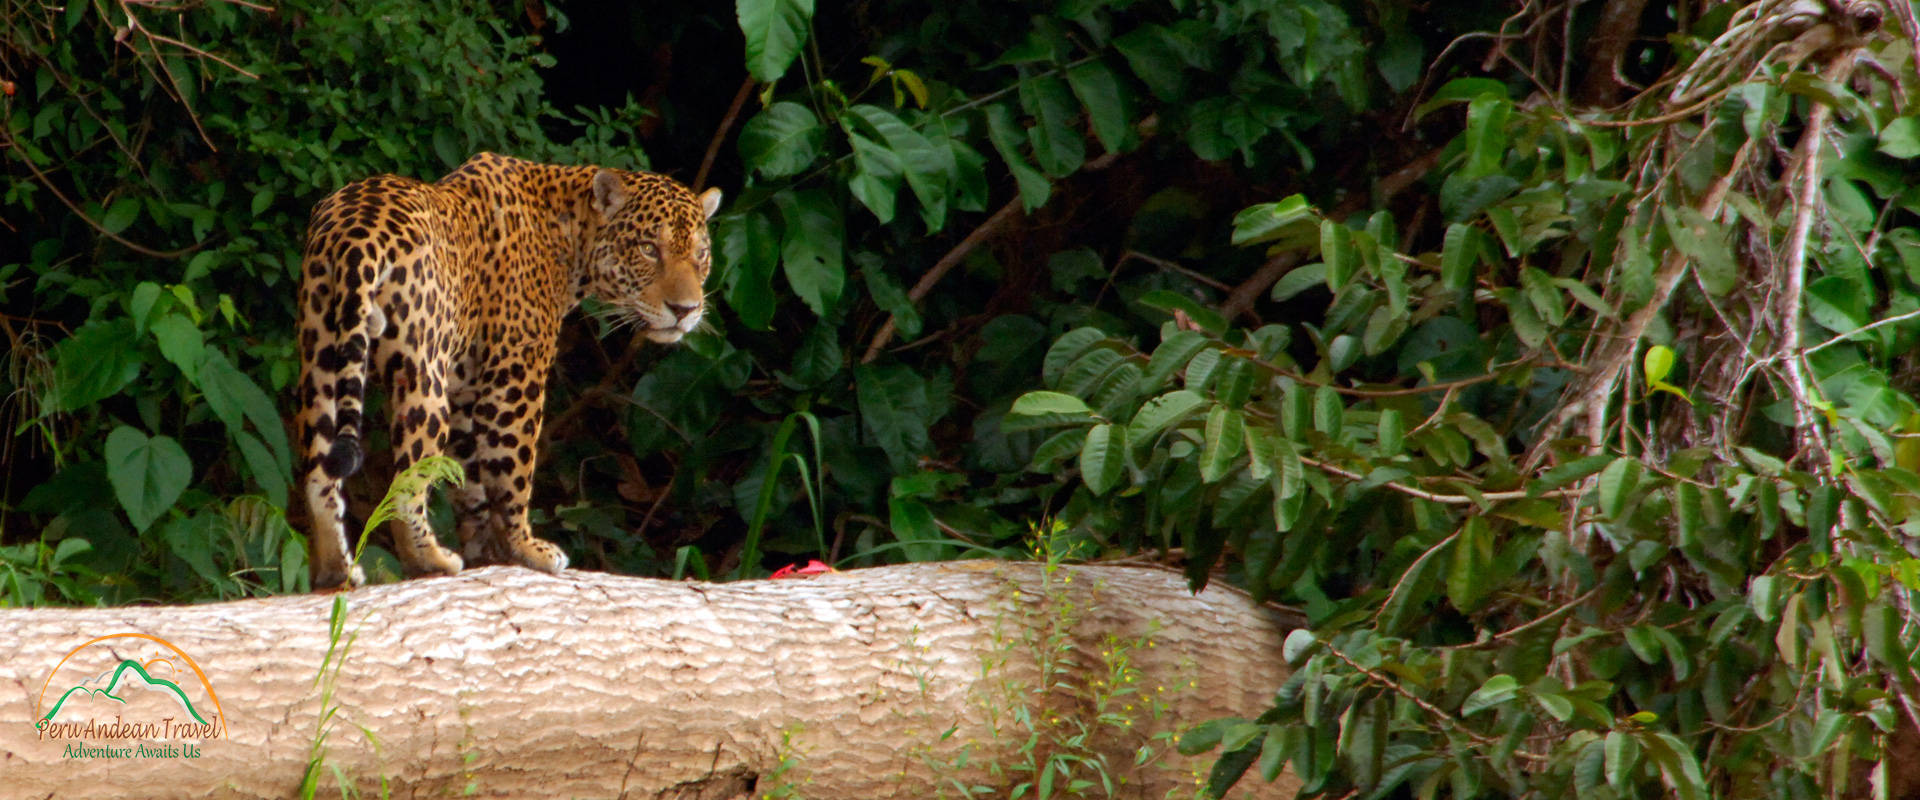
1596	485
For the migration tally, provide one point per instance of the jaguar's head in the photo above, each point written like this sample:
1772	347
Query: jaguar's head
650	259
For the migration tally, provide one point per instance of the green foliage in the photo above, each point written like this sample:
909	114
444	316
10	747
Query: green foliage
163	197
1701	601
985	261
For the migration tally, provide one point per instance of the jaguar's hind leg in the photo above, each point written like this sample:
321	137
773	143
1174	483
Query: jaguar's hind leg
419	431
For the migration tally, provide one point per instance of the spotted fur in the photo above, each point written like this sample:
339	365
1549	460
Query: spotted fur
451	294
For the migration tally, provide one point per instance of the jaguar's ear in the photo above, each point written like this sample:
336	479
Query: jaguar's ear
609	193
710	200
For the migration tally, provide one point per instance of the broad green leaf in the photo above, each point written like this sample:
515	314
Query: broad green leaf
1100	92
120	215
1200	369
1036	403
1152	53
1103	457
1901	138
266	470
1299	644
95	364
775	30
1206	735
1521	315
1839	304
810	248
914	524
1066	350
925	166
1260	451
1056	140
1486	134
748	246
1761	594
1623	754
1557	705
1010	140
1823	511
876	178
1679	770
1617	484
1544	295
888	295
896	411
140	305
1365	734
1644	644
1459	255
147	474
782	140
1289	216
1161	412
1336	249
1170	357
180	343
1085	375
1390	432
1299	279
818	357
1461	90
1568	473
1056	447
1705	243
1411	592
1657	364
1472	566
1495	691
1225	439
1329	414
1589	769
234	397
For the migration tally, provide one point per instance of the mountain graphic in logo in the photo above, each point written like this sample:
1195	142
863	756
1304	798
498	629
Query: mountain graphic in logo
121	682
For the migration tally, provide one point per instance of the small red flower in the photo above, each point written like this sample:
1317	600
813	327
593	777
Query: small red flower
813	567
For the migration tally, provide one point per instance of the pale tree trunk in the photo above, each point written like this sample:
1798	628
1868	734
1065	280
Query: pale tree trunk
906	681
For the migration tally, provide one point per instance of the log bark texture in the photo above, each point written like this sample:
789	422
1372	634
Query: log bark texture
889	682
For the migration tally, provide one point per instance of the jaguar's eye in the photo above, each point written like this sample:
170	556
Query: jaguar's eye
649	250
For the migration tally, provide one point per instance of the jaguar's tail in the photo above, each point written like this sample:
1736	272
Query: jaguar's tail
339	320
337	312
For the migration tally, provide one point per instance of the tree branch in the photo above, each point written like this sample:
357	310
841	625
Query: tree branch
720	133
874	683
980	235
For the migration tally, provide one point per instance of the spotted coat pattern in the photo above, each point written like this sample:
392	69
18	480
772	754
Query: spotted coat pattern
451	295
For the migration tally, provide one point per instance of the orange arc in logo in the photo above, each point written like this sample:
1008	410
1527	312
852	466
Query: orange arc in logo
41	701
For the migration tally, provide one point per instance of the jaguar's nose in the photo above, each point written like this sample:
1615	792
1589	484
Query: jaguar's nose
682	310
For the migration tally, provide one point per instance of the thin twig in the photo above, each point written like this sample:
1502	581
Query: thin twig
1174	267
987	230
1805	201
1617	347
1543	619
1897	318
1403	392
1425	705
7	142
720	133
1449	499
1241	299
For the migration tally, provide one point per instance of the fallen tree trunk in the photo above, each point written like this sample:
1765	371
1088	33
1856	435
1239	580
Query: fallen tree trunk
903	681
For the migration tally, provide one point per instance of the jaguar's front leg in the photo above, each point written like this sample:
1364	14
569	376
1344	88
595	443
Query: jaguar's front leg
506	434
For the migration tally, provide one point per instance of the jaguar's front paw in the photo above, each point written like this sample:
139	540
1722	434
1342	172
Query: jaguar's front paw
539	554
